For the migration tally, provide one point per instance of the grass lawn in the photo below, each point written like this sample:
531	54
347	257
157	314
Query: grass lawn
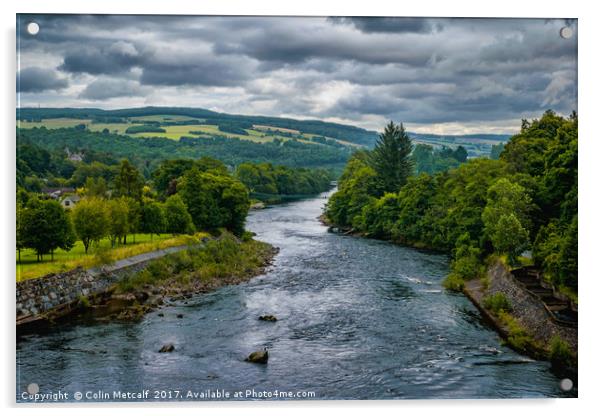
100	254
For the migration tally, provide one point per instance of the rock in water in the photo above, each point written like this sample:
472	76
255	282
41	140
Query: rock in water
260	357
167	348
269	318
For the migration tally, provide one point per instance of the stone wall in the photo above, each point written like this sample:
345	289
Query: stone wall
54	292
527	308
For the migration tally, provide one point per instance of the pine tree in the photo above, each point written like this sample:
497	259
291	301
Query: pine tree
390	158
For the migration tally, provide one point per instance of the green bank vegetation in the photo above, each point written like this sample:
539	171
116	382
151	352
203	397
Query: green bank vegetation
224	257
525	200
110	211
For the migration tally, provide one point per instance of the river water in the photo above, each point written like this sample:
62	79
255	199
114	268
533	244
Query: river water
357	319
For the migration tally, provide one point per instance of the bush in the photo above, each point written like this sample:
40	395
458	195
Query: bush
496	303
453	282
104	256
518	337
560	352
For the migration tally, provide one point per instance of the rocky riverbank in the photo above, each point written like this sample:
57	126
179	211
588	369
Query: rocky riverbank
134	303
140	285
524	324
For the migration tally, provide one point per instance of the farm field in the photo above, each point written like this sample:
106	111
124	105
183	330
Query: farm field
171	132
29	268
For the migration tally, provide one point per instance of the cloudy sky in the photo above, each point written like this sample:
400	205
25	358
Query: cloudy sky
434	75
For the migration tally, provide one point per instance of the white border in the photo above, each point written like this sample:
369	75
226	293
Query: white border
589	161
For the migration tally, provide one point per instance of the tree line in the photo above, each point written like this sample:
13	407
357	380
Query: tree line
527	199
202	198
265	178
148	152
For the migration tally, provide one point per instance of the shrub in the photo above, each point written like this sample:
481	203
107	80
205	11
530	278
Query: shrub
496	303
518	337
560	352
453	282
104	256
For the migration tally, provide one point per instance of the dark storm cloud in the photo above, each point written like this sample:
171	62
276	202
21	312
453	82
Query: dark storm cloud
119	57
36	79
408	69
209	72
103	89
388	24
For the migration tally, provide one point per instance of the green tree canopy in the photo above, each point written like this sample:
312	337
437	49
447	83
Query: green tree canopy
390	158
45	226
177	217
91	221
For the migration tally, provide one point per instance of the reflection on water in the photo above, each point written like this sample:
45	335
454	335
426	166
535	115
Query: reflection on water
357	319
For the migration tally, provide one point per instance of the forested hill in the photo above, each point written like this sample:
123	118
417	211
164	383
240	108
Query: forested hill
348	133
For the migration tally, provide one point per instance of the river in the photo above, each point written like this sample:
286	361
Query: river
357	319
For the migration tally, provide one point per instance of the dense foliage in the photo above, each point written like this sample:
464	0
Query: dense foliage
265	178
147	128
428	159
204	197
527	199
147	153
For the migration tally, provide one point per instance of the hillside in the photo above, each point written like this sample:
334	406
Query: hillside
336	141
181	116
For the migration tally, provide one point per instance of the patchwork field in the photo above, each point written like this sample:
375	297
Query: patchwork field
259	133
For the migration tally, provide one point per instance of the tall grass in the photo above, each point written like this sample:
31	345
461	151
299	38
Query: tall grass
224	257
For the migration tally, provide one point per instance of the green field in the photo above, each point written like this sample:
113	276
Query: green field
52	123
257	134
30	268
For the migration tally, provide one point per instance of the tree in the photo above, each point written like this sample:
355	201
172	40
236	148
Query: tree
134	216
460	154
390	158
45	226
503	198
128	181
118	221
20	240
152	219
509	237
91	221
96	187
195	190
177	217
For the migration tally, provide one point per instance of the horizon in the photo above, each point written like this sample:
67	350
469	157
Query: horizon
447	76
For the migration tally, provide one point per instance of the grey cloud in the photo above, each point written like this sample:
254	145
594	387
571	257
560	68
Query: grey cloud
35	79
408	69
103	89
389	24
117	57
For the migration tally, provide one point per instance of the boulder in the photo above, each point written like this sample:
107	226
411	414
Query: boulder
269	318
167	348
260	357
179	316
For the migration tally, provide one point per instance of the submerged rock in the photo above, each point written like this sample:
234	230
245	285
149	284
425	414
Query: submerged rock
260	357
167	348
269	318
